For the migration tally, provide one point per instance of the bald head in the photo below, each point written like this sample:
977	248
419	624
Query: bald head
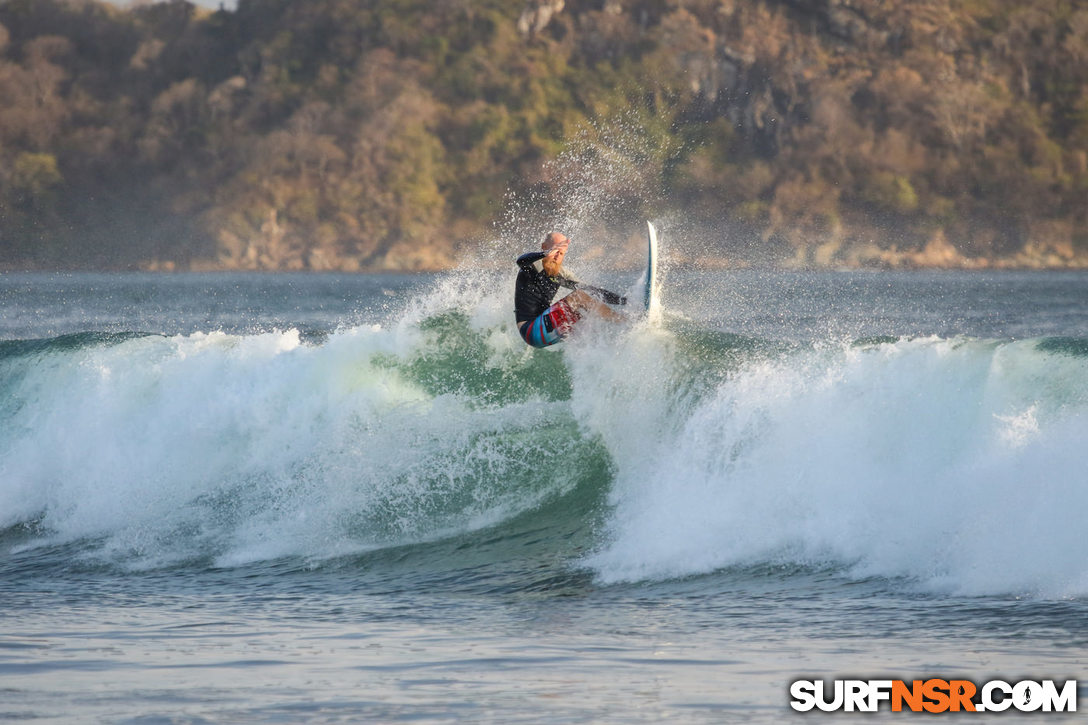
555	241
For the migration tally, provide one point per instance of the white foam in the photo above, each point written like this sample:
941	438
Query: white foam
958	464
244	448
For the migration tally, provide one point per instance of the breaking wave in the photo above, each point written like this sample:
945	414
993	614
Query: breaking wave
953	464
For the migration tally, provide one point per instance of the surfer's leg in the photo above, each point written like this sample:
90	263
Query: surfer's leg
581	303
556	322
533	333
550	326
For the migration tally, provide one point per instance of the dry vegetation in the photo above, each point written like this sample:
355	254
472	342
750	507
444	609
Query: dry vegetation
377	134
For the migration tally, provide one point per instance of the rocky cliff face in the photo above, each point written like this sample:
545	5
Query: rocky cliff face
334	134
854	124
537	15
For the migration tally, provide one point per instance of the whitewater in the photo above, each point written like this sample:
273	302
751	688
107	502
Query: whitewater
370	484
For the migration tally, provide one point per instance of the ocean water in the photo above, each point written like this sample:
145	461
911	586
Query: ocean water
290	498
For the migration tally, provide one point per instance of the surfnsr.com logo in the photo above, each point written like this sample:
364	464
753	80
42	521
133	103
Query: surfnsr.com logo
934	695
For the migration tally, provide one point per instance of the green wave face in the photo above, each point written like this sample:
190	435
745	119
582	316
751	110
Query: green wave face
150	451
627	453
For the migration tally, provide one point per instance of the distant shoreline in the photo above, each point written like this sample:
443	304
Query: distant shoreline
999	265
392	136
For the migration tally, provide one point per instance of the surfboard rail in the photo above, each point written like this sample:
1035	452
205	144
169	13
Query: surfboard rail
651	296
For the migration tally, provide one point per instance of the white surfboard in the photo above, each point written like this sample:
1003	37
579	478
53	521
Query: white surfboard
651	295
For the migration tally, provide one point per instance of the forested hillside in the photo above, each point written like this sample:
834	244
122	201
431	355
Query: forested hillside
391	134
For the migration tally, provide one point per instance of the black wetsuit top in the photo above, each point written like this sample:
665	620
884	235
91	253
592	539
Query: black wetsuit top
534	289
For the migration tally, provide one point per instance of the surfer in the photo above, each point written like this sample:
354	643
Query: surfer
540	276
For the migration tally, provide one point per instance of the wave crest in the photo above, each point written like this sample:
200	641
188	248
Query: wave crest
958	464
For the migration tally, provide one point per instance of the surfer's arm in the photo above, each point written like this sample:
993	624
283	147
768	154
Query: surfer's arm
569	280
565	278
530	260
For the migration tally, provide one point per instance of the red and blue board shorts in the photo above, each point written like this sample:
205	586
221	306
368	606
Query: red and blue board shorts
551	326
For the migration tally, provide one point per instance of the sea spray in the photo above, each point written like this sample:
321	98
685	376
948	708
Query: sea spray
156	451
485	496
598	191
940	463
951	463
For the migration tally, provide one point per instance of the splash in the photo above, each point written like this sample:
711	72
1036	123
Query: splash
598	191
156	451
954	464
